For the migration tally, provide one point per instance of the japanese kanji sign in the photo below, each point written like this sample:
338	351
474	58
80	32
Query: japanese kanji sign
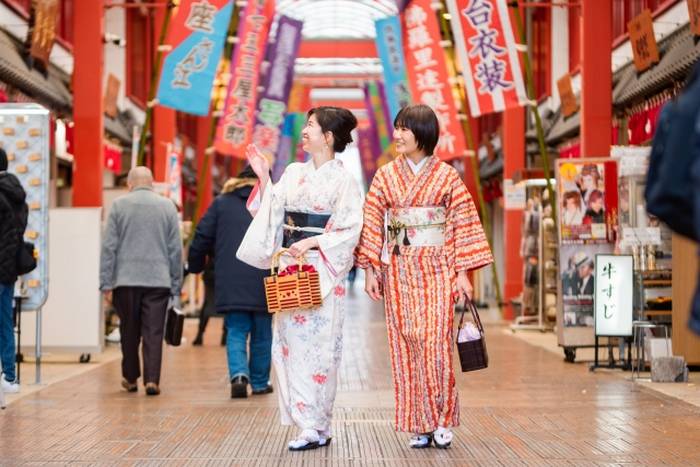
614	279
390	51
42	29
235	129
197	39
644	48
272	105
486	48
694	15
569	104
425	63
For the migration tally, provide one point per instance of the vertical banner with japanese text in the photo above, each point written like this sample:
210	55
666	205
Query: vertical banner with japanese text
197	37
486	49
368	146
425	62
390	50
235	128
375	113
272	105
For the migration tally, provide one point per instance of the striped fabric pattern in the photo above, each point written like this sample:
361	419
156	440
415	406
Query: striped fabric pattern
418	287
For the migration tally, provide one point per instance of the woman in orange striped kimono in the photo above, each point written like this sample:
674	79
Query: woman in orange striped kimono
421	235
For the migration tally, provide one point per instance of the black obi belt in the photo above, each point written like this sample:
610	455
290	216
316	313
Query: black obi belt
300	225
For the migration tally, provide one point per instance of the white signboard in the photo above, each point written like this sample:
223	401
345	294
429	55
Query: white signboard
641	236
614	287
515	197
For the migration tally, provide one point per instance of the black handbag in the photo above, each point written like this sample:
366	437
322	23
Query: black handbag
472	354
26	262
174	322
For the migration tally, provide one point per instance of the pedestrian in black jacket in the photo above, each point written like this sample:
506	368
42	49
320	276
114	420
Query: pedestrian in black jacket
239	287
13	222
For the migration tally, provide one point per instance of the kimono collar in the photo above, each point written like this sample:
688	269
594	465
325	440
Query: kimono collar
330	164
415	183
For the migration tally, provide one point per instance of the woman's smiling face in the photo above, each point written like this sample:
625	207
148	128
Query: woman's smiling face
405	140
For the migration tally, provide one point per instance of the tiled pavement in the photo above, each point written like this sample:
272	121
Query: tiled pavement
529	408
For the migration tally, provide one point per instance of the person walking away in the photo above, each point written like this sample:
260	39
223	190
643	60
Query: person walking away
140	271
239	292
420	265
315	211
209	305
13	222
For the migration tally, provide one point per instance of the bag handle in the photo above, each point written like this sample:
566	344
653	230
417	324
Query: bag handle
475	314
276	260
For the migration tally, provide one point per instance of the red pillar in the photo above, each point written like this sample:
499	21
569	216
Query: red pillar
88	56
596	78
203	131
164	120
513	160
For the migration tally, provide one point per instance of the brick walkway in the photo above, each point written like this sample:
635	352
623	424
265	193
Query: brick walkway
529	408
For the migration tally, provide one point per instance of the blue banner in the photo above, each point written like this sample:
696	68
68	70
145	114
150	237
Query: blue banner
390	51
197	37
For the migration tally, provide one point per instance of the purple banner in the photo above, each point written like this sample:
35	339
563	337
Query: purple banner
277	83
369	152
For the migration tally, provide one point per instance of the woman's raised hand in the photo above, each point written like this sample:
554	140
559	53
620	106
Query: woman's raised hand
258	162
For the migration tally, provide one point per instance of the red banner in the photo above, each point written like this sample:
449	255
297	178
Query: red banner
425	63
236	126
486	48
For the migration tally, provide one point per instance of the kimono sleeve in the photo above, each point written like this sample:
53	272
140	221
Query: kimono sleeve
337	244
470	247
372	238
264	235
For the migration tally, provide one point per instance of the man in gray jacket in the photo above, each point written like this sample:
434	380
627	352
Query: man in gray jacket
140	270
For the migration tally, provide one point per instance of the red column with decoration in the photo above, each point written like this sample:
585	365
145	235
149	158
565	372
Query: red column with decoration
164	121
596	78
513	161
88	56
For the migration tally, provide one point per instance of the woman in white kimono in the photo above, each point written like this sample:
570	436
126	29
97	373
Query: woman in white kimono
315	210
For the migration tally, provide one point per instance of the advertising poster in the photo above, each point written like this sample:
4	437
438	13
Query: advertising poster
578	282
587	197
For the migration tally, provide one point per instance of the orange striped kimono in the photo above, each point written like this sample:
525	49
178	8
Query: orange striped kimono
419	285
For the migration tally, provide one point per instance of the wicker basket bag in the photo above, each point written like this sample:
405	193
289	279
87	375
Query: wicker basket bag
472	354
297	290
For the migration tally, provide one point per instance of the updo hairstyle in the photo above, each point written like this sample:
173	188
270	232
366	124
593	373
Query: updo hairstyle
338	121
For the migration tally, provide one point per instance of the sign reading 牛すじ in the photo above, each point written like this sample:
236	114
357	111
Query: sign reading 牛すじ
614	287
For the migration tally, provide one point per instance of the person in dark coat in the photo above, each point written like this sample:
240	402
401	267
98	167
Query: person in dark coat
239	291
209	305
13	222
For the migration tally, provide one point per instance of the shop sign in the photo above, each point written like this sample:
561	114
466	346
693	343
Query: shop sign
694	15
514	194
614	279
272	105
235	130
111	95
644	47
390	49
42	29
425	62
569	104
196	36
486	48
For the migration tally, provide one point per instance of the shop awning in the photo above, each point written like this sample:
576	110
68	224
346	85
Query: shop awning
120	127
50	91
678	54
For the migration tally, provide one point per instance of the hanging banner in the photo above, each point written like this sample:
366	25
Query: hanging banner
486	48
236	126
272	105
375	113
369	152
175	178
425	61
197	36
390	51
41	33
645	51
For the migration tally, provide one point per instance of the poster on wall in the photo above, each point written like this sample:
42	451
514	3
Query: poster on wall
578	282
587	198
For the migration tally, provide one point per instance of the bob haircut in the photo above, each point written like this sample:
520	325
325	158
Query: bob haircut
423	123
338	121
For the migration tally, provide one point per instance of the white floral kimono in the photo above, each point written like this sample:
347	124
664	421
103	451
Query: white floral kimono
307	344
